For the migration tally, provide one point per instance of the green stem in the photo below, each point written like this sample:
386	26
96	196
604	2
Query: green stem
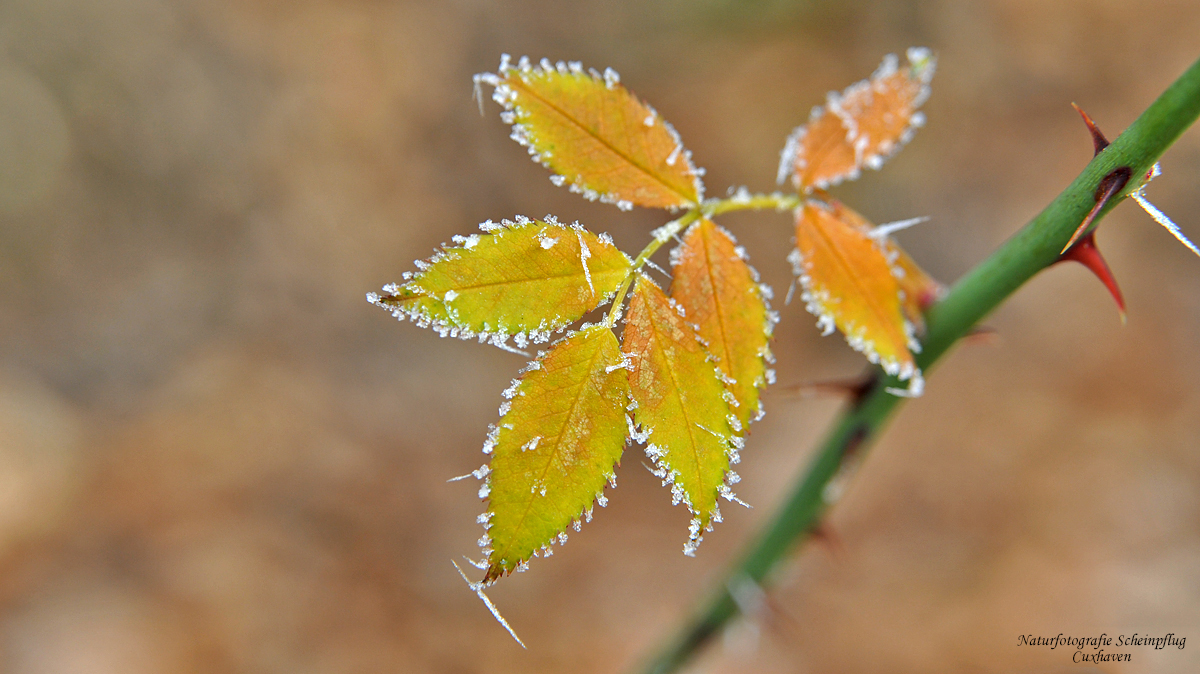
744	201
741	202
1033	248
661	235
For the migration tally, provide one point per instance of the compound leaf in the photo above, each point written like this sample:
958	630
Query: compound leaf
528	278
559	438
721	296
595	135
848	283
862	126
682	406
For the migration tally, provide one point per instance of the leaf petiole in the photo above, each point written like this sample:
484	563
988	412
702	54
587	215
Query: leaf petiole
661	235
742	200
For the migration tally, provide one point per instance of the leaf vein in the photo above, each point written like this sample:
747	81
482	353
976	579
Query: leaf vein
599	139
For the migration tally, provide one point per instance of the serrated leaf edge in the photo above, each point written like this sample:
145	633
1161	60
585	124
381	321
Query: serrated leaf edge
770	320
642	434
826	321
489	445
500	335
921	63
504	94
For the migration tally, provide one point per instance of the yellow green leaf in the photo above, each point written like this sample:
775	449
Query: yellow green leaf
848	283
682	406
721	296
862	126
525	279
595	135
561	434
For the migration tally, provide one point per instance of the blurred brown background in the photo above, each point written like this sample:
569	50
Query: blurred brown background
215	456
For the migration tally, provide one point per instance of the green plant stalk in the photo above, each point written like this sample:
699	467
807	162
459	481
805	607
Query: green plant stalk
1033	248
661	235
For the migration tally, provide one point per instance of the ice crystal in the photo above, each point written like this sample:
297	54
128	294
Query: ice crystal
477	588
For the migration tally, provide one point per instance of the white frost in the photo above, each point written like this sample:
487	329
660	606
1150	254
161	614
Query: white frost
881	232
584	254
478	474
477	588
611	78
674	156
1161	218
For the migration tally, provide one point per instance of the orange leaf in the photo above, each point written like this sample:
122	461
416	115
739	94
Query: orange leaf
863	126
722	297
849	284
595	135
682	406
560	436
918	290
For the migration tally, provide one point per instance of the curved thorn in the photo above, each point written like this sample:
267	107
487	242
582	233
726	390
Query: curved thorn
824	534
983	334
1109	187
854	388
1098	140
1086	253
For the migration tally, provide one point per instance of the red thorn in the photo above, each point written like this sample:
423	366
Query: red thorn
1098	139
824	534
983	334
778	618
855	389
1086	253
1109	187
853	442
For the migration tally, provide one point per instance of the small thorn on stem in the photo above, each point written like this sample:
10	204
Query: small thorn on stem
983	334
1098	139
825	535
855	388
747	594
1086	253
1109	187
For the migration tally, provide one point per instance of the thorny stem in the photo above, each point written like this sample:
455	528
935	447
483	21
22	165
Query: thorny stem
1033	248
